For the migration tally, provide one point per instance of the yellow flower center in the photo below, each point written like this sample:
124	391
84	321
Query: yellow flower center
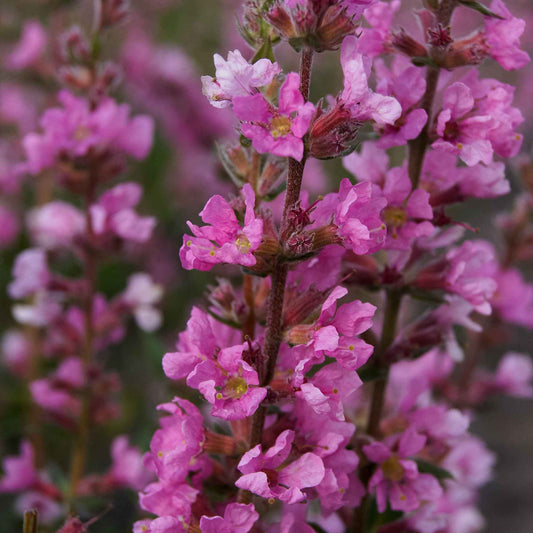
280	126
395	217
392	469
81	133
236	387
243	244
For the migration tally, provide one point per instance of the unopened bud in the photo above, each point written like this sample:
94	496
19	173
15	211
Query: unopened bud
466	52
77	77
218	444
335	25
110	12
406	44
281	20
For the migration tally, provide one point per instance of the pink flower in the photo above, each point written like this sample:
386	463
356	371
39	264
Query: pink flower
176	443
514	375
58	392
513	299
362	103
202	340
335	333
19	471
238	518
276	131
142	295
30	48
356	211
466	271
127	469
371	164
264	475
30	273
397	480
463	131
503	37
407	213
75	128
375	40
407	84
55	224
224	240
236	77
49	510
229	384
17	351
326	391
113	214
9	227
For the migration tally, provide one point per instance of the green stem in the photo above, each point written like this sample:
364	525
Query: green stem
30	521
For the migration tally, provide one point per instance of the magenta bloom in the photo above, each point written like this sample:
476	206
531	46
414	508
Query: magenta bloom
237	77
514	375
276	131
407	213
113	215
356	212
335	333
466	271
30	273
56	224
376	39
177	442
30	48
238	518
513	300
142	295
19	471
127	469
265	475
229	384
362	103
503	37
223	240
407	84
397	480
74	129
462	131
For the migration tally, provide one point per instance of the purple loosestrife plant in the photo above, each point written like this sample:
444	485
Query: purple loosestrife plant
66	323
323	411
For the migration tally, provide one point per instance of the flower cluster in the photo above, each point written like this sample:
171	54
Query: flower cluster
320	404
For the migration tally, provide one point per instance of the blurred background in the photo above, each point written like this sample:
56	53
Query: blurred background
163	48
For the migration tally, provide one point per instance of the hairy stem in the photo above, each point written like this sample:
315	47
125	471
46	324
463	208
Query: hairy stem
81	442
274	328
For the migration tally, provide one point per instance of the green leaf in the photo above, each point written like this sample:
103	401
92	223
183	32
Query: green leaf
316	527
426	467
266	51
370	373
423	61
480	8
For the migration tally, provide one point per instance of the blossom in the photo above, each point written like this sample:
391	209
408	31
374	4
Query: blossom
375	40
229	383
466	271
30	48
9	227
238	518
362	103
503	37
462	131
30	273
397	480
237	77
278	131
408	211
75	128
513	299
224	240
55	224
407	84
142	294
19	471
16	351
514	375
127	469
113	214
264	475
355	212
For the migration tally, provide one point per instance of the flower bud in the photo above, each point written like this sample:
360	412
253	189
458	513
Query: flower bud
334	26
406	44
